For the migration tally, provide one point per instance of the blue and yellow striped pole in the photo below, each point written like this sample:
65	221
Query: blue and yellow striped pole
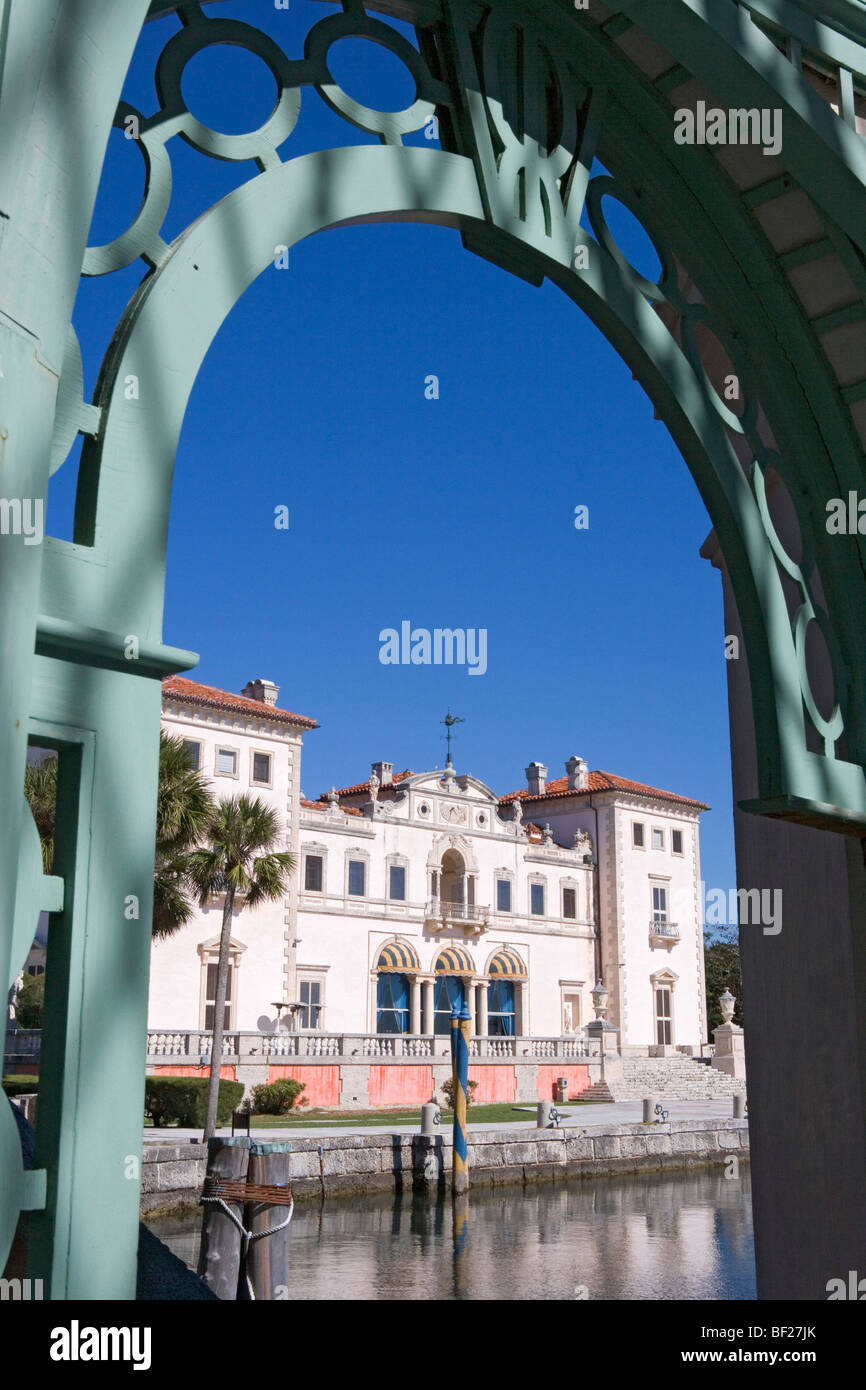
460	1024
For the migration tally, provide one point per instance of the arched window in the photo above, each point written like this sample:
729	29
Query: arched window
453	968
392	1003
505	967
397	962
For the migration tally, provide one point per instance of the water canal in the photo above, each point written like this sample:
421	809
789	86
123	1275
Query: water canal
682	1235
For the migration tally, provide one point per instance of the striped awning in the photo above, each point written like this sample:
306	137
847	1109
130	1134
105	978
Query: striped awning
507	962
398	956
455	961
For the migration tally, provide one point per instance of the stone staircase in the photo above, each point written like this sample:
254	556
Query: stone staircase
667	1078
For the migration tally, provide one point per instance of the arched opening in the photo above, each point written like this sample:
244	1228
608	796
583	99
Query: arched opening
397	969
115	572
453	974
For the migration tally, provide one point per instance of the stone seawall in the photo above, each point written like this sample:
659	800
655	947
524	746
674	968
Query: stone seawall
172	1174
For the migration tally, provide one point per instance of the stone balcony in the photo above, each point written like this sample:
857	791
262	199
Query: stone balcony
472	918
664	933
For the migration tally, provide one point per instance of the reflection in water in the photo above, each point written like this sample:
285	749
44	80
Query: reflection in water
652	1236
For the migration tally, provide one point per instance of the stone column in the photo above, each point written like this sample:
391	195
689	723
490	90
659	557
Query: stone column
482	1008
522	1021
470	1001
414	1004
426	1006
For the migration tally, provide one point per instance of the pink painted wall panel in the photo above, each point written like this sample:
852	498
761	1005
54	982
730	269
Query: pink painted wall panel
226	1073
322	1083
494	1084
578	1080
400	1085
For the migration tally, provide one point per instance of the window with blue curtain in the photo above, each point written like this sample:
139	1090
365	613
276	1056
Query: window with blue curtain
392	1003
500	1009
447	991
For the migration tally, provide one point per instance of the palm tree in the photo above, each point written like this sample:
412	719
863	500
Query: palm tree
184	809
40	788
183	813
239	861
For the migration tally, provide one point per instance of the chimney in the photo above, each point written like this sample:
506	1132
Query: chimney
578	774
536	779
264	691
385	773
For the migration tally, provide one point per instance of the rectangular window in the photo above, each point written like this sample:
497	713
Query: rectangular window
227	762
210	996
313	873
357	878
311	998
637	834
503	895
660	904
676	842
397	883
658	838
262	769
193	748
569	902
663	1017
536	899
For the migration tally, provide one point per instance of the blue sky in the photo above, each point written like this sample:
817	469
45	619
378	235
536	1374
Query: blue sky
456	512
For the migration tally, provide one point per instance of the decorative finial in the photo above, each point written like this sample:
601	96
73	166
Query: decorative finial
449	721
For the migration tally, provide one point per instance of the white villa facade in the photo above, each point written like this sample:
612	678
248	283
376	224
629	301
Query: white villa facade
414	891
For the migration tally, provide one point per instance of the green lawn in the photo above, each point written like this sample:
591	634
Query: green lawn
365	1119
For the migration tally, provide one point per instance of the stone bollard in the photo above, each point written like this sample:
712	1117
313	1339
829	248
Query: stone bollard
545	1114
649	1106
739	1105
430	1116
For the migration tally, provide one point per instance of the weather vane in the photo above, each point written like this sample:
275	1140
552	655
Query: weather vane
449	721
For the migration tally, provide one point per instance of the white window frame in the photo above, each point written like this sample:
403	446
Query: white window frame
261	753
209	954
569	883
507	877
664	886
226	748
634	825
199	745
314	851
311	976
654	831
357	856
537	881
396	861
681	852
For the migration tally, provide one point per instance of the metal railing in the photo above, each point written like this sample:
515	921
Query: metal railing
669	931
440	908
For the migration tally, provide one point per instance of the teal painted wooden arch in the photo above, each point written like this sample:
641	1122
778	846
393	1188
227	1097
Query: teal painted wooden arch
763	279
515	177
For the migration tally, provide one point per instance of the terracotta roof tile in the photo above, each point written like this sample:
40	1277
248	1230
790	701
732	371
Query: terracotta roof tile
322	805
190	692
599	782
365	786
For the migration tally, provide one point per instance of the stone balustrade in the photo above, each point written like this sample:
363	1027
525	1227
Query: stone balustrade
181	1044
